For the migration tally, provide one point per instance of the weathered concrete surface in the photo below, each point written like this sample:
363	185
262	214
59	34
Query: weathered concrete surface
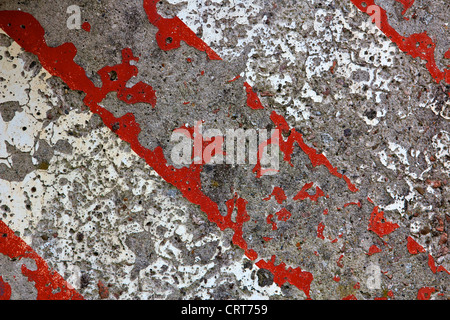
102	217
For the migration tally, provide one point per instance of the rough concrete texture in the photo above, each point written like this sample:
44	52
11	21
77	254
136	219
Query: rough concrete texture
115	228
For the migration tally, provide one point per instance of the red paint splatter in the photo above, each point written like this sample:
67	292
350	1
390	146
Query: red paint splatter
406	4
337	278
424	293
252	98
447	54
235	78
350	297
269	221
279	195
379	225
413	246
171	31
102	290
416	45
320	229
5	290
301	279
283	215
332	68
357	286
373	249
338	262
353	203
433	267
86	26
302	194
49	284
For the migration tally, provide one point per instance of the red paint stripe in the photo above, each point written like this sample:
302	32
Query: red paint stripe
252	98
416	45
5	290
171	31
49	284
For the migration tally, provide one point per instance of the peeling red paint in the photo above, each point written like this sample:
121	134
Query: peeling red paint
171	31
447	54
287	147
353	203
283	215
320	229
302	194
406	4
389	294
416	45
413	246
252	98
5	290
241	217
301	279
49	284
279	195
373	249
86	26
187	180
433	267
235	78
269	221
379	225
424	293
338	262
